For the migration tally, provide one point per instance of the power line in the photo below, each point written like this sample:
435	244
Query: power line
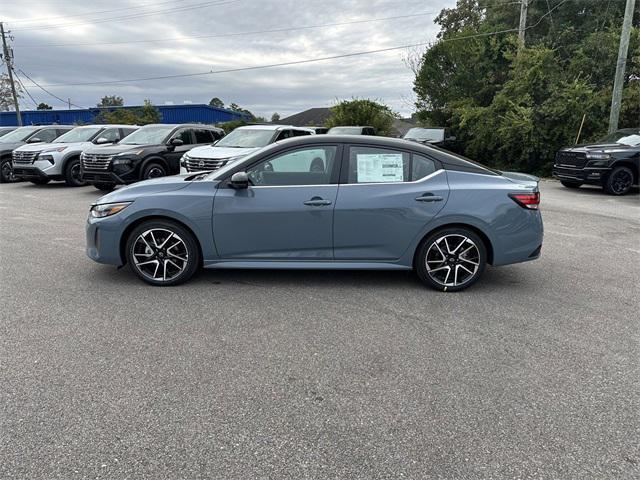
233	34
25	89
66	102
31	20
129	17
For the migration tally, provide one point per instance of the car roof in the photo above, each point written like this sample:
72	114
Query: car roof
181	125
274	127
351	126
107	125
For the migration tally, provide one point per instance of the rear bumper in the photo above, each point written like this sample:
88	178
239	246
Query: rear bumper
593	176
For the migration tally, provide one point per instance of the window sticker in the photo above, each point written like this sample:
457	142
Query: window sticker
380	167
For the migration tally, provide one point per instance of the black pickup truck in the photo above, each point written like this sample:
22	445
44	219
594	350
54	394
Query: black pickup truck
612	162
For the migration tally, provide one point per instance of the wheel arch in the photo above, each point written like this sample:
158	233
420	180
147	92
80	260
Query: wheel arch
633	166
483	236
67	159
153	159
127	232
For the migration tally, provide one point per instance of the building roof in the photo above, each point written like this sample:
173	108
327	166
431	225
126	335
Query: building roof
313	116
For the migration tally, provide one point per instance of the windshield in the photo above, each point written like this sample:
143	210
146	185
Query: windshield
78	135
147	136
345	131
623	137
246	138
425	134
18	135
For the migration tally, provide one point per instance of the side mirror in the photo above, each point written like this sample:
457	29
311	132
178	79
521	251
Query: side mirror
102	141
34	140
239	180
176	142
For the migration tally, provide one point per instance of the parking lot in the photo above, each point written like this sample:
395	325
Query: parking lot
533	372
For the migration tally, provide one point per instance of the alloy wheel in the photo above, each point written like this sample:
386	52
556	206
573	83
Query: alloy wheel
7	172
452	260
621	181
155	172
159	254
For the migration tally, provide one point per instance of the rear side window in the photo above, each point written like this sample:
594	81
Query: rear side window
421	167
378	165
217	135
203	136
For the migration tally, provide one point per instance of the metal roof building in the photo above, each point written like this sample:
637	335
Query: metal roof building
192	113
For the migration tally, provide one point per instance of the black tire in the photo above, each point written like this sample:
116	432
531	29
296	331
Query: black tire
442	250
39	181
153	170
571	184
72	173
167	243
6	171
105	187
619	181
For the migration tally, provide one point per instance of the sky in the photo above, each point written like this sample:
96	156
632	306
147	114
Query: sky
54	43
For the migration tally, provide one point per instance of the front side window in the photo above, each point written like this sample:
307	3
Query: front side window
185	136
47	135
305	166
111	134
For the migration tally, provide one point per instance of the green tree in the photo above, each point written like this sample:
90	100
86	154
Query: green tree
44	106
6	97
362	112
111	101
229	127
513	109
144	115
216	102
275	118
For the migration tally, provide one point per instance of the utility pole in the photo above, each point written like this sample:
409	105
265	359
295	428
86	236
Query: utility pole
524	5
8	58
616	97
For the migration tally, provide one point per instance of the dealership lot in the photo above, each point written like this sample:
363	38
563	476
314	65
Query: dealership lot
533	372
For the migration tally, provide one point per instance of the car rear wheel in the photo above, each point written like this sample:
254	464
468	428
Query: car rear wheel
619	181
72	174
105	187
451	259
571	184
162	253
153	170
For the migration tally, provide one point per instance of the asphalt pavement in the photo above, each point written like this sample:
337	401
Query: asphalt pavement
532	373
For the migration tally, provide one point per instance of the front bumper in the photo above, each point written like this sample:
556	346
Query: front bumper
30	172
590	175
106	176
103	240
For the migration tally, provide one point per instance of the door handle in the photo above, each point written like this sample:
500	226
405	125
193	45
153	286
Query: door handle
429	197
317	202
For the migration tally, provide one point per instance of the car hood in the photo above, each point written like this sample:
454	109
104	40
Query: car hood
9	147
113	149
39	147
213	152
147	187
600	147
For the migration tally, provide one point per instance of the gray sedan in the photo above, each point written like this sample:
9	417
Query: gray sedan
324	202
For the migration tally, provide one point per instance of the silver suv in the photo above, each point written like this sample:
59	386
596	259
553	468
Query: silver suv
60	159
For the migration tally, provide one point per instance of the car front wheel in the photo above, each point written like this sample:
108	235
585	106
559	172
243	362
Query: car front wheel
6	172
162	253
72	174
619	181
451	259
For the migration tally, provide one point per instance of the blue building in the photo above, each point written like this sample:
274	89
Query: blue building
196	113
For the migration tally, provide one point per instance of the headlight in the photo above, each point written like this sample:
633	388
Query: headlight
130	152
122	161
107	209
183	160
59	149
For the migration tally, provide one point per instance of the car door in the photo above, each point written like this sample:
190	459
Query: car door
385	199
286	213
175	153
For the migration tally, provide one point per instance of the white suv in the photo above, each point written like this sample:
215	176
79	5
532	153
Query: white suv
239	143
60	160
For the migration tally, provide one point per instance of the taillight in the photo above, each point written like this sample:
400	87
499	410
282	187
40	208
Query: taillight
526	200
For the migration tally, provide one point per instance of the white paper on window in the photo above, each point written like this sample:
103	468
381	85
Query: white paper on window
380	167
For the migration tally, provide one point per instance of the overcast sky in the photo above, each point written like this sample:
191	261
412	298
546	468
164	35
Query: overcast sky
39	25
